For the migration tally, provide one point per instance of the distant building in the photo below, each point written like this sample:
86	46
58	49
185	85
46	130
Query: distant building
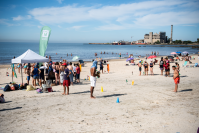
152	38
140	41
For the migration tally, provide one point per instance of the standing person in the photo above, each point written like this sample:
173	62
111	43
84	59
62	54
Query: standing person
93	78
66	82
176	78
140	67
57	67
74	69
101	66
151	67
120	55
108	68
19	65
28	74
146	68
168	63
25	68
72	72
41	76
36	73
166	66
177	67
78	73
161	65
61	73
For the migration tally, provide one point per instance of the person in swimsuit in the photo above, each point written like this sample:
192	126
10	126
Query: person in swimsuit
101	66
61	73
161	65
36	71
74	68
72	72
57	67
151	67
146	68
176	78
140	67
120	55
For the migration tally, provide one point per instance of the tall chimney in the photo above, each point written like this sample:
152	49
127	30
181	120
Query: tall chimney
171	33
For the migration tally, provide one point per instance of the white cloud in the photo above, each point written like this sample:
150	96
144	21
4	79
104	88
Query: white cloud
4	22
146	13
21	18
60	1
39	27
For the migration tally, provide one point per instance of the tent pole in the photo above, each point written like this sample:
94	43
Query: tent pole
21	74
12	72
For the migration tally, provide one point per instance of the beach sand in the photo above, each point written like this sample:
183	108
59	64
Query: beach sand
148	106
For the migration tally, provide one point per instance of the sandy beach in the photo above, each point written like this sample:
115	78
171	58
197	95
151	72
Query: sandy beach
148	106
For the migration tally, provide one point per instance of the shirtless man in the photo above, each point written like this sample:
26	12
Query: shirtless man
93	78
176	78
140	67
72	72
61	73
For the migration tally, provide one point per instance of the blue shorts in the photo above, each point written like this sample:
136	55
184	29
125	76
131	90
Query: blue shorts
28	78
77	76
35	77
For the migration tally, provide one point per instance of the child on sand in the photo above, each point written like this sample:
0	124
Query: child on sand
140	67
66	82
146	68
151	67
176	78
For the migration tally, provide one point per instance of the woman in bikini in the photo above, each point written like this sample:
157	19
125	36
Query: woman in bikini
151	67
57	67
145	67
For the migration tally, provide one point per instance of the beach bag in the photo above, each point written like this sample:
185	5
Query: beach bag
39	90
30	88
50	89
7	88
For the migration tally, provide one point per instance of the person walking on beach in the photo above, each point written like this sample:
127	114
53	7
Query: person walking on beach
140	67
101	66
146	68
78	73
161	65
66	82
151	66
93	78
72	72
176	78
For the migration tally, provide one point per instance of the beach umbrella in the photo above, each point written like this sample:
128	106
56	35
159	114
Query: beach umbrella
185	52
75	58
178	52
152	56
173	53
129	59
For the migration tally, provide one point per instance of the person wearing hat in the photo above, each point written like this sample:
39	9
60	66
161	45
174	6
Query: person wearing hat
93	77
66	82
140	67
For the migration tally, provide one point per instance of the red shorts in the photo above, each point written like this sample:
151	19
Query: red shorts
66	83
177	80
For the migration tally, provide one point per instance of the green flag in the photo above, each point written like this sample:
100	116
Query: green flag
44	38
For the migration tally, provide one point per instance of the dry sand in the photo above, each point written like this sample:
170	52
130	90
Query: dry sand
148	106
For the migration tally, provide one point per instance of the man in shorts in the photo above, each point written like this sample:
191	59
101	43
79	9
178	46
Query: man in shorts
176	78
93	78
140	67
101	66
66	82
161	65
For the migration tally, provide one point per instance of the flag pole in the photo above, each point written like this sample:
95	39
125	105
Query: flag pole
12	72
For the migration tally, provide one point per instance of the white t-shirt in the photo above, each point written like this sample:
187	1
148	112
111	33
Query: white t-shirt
74	68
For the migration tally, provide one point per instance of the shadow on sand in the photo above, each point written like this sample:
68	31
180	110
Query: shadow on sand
81	92
113	95
185	90
10	109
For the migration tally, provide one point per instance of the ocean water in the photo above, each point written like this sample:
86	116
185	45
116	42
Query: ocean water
85	51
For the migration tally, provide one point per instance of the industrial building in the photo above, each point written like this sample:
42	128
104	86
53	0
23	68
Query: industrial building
152	38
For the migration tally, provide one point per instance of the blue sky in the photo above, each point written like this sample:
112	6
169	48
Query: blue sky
84	21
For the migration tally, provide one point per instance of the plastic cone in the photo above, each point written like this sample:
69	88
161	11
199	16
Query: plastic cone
117	100
101	89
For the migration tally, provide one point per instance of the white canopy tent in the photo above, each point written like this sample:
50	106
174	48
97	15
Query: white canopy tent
29	57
